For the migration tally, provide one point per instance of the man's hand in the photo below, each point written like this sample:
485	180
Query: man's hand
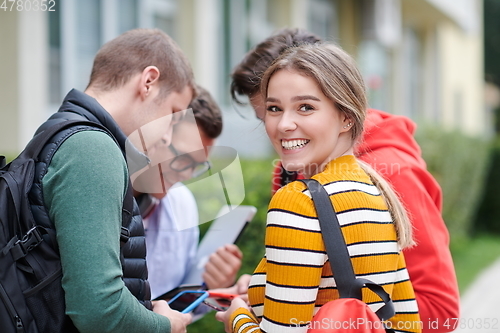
242	284
178	321
222	267
239	288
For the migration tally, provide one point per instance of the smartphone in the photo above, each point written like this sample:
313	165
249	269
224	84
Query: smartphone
219	301
187	300
172	293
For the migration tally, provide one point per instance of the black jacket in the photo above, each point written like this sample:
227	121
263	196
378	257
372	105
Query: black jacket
78	105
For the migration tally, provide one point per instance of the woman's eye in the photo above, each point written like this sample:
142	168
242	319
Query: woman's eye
273	108
306	107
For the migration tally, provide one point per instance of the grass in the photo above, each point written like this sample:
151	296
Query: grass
471	256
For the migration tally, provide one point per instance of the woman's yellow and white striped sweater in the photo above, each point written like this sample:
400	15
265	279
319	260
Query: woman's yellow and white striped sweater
295	279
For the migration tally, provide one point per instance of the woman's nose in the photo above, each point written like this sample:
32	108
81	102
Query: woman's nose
288	122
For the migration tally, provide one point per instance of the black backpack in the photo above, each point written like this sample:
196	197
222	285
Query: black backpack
31	294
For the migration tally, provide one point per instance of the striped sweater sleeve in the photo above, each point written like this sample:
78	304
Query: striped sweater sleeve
243	321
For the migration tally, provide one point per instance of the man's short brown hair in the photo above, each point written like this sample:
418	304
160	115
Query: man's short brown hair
207	113
131	52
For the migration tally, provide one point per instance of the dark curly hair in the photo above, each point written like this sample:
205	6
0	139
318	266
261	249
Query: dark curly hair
247	74
207	113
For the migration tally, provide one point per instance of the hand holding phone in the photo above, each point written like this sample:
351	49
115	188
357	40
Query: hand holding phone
178	321
187	300
219	301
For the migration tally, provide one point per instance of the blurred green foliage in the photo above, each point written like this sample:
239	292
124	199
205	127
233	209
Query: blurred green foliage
258	194
459	163
257	181
492	40
488	215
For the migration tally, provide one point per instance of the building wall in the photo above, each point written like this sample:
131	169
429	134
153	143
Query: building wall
23	77
435	71
9	79
349	34
431	69
462	81
32	86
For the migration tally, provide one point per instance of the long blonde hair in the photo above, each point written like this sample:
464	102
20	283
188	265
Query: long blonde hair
340	80
398	212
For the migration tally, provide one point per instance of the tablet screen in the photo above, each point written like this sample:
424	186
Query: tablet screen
225	229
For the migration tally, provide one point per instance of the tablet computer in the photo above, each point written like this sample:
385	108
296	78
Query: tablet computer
225	229
172	293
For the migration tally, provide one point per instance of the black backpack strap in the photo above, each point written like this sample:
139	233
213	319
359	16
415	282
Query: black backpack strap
336	248
63	120
333	238
15	194
127	213
33	236
387	310
39	141
19	248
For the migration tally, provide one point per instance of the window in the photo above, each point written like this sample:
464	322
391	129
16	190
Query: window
127	15
374	63
245	25
158	14
412	73
78	28
54	57
323	19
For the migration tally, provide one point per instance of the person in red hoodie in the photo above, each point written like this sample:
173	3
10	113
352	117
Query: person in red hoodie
389	146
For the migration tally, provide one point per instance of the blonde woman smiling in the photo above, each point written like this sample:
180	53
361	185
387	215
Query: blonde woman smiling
315	108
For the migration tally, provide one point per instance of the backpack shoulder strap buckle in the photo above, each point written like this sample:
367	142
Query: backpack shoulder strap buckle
29	241
124	235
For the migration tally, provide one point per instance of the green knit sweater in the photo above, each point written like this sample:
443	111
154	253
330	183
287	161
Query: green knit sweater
83	191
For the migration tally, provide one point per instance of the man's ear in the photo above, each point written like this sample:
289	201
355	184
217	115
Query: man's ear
346	124
149	79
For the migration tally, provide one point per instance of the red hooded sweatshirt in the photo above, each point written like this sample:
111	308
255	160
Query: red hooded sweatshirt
389	147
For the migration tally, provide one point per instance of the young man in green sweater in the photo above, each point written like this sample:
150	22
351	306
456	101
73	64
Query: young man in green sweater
138	78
